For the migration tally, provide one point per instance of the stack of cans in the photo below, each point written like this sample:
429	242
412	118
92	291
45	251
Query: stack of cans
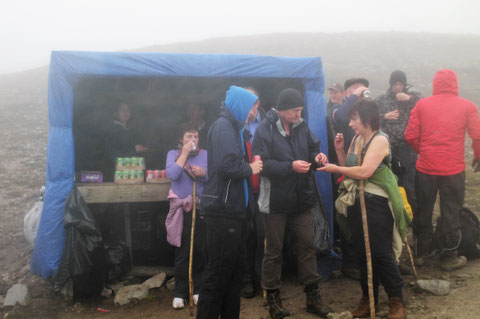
130	168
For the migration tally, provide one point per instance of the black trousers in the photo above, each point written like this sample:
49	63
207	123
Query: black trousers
222	278
182	256
255	238
380	231
452	194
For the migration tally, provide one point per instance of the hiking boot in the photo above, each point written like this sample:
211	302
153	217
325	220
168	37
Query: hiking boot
363	309
450	261
397	309
248	291
275	307
316	306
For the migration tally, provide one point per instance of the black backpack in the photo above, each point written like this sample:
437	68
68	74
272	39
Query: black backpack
470	228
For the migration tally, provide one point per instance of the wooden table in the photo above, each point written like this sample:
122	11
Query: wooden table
95	193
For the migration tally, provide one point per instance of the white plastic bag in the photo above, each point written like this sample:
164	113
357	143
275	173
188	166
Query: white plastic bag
32	219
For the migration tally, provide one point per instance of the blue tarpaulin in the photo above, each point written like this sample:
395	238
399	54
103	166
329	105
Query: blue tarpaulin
66	67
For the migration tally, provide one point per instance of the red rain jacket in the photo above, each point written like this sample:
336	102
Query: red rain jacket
437	126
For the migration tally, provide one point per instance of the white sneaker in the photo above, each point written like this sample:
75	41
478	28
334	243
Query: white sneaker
178	303
195	299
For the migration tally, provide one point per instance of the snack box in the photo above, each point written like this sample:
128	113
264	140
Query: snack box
91	177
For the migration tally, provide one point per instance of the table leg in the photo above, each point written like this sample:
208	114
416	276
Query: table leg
128	231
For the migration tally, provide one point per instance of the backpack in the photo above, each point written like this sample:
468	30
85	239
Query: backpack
470	229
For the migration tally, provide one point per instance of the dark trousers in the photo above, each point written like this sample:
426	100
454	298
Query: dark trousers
255	238
182	257
300	225
452	194
380	231
222	278
406	156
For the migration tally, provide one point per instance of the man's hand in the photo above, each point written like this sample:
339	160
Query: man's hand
256	167
359	91
393	115
300	166
403	97
321	159
198	171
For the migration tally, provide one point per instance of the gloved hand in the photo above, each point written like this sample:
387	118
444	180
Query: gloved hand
476	165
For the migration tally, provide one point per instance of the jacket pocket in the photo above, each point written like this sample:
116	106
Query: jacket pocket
215	197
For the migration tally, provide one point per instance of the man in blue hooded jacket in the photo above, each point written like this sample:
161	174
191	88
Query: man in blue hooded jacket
225	200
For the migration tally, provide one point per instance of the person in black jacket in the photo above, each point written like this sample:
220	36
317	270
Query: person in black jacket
224	203
290	152
120	140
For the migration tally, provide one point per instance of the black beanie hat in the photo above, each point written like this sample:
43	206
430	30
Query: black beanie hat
289	99
350	82
398	76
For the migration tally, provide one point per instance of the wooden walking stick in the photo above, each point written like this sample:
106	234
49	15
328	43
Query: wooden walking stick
366	238
192	235
411	260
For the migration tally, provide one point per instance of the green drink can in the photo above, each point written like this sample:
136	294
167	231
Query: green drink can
141	161
118	174
133	174
119	161
125	175
127	162
134	161
140	175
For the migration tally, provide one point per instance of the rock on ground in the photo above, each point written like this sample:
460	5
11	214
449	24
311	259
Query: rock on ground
171	284
18	293
433	286
129	293
343	315
156	281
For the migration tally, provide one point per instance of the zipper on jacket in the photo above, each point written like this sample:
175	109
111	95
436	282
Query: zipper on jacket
228	190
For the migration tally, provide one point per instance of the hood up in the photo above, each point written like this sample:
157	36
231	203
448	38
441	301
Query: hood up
445	82
239	102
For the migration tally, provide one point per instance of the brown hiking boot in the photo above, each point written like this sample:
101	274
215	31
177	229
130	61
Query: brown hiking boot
397	309
316	306
363	309
275	307
450	261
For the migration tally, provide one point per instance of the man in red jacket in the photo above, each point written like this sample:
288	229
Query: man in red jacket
436	131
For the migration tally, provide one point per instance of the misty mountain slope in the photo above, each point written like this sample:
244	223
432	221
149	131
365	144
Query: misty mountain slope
368	54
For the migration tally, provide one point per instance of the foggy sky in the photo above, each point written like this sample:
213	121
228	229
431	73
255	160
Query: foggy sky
31	29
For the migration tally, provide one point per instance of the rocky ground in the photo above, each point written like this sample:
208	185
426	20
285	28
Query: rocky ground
23	138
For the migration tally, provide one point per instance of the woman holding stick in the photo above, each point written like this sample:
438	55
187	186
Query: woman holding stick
186	165
386	218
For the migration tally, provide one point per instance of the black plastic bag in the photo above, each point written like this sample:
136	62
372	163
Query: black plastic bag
83	258
321	229
117	259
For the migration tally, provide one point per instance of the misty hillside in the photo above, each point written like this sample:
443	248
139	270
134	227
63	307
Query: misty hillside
344	55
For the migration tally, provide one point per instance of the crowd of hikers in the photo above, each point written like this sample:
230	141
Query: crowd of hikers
255	181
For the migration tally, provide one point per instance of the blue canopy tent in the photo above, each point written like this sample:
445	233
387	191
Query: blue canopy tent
66	68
